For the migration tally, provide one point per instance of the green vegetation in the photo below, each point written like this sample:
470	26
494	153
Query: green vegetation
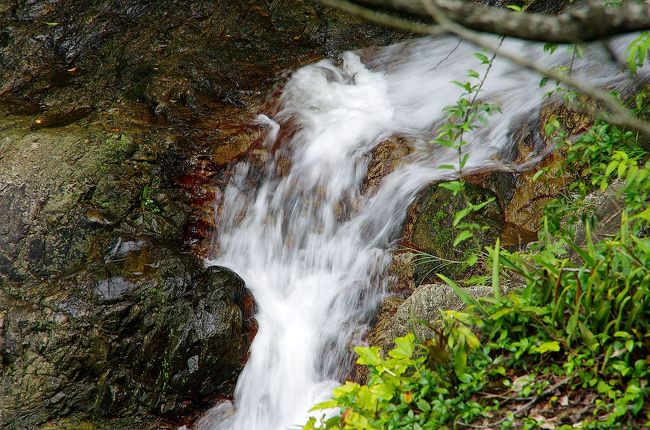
148	196
468	114
569	347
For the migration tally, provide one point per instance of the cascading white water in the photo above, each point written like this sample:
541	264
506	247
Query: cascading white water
311	248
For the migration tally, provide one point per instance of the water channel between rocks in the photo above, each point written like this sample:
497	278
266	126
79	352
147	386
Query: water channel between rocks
311	247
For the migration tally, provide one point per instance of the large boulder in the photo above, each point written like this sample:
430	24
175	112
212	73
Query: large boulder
418	314
118	121
102	313
151	331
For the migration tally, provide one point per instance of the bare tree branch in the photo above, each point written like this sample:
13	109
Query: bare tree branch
618	114
584	24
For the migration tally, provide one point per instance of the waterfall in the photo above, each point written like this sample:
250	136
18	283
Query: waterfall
310	245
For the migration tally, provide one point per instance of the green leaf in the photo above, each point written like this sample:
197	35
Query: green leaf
347	388
467	298
383	391
463	236
637	51
496	288
463	162
611	167
423	405
471	340
365	399
368	356
553	346
311	423
643	215
582	253
602	387
444	142
482	57
501	313
587	335
327	404
539	173
473	74
550	47
543	82
481	205
460	361
471	260
460	215
464	85
622	334
404	347
466	378
621	170
453	186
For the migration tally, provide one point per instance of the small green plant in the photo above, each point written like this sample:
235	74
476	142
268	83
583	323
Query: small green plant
637	51
411	387
467	115
581	323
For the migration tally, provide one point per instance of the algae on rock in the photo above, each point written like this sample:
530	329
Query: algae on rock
433	231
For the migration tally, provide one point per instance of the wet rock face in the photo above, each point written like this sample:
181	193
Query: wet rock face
520	194
174	55
197	72
514	217
433	233
157	332
117	123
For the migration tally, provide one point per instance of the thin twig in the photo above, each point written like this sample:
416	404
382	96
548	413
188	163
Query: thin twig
525	408
619	114
504	397
472	426
448	55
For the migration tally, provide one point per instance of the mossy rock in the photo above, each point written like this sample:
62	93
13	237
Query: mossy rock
106	142
418	313
433	231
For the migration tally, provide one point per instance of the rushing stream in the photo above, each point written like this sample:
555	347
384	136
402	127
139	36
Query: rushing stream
311	247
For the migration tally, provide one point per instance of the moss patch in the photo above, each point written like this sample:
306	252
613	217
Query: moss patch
434	234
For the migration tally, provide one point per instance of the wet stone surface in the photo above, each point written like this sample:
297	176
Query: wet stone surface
118	123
